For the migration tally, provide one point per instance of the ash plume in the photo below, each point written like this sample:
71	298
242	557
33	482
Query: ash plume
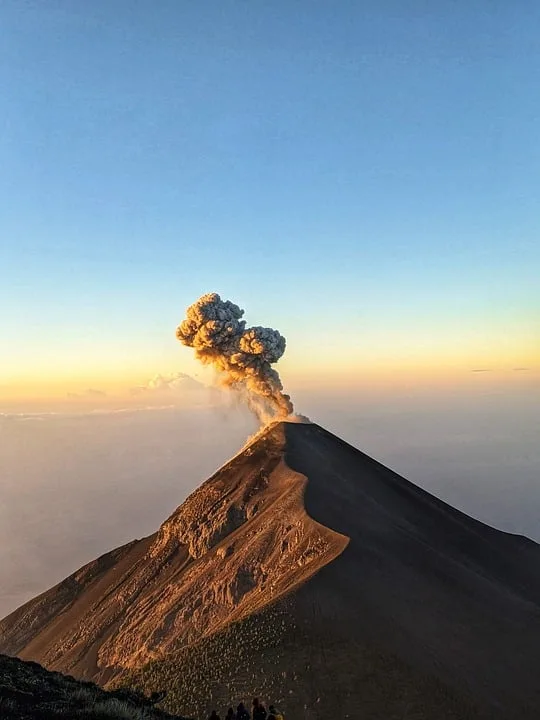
242	355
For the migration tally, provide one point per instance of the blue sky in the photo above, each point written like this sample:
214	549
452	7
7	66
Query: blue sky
356	174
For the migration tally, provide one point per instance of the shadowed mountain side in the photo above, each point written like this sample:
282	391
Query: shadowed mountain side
306	674
360	562
447	593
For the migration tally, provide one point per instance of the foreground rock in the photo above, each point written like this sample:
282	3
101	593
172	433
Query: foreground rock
28	691
306	572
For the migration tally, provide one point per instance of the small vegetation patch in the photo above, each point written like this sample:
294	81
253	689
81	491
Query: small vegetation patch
307	675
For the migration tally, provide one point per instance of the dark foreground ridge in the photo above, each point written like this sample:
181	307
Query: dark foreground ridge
29	692
305	573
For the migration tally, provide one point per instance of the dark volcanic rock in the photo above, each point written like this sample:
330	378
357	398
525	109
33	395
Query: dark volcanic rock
29	692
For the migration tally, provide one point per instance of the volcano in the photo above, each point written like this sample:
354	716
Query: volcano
305	572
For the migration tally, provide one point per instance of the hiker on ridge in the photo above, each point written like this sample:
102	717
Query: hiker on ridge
275	714
259	711
241	712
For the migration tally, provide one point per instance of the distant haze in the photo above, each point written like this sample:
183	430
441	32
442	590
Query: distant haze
74	486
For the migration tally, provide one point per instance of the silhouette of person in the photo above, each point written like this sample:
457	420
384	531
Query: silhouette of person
241	712
214	716
259	711
157	697
274	713
230	715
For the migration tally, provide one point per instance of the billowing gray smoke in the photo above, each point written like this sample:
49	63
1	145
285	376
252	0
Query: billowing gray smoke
243	356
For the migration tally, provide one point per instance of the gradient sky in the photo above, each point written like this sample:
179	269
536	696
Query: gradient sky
361	175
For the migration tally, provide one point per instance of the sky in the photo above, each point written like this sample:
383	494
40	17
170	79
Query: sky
359	175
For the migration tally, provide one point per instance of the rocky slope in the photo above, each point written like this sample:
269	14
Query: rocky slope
302	536
29	692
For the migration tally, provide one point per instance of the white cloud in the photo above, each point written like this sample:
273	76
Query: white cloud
173	382
90	393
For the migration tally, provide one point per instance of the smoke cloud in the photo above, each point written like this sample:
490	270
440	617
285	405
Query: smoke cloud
242	355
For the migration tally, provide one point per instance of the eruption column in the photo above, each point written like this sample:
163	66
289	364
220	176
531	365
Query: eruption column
243	356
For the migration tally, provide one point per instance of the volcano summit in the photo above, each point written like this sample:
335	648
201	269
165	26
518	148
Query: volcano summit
306	572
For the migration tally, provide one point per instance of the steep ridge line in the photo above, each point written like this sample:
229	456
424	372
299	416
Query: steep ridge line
241	541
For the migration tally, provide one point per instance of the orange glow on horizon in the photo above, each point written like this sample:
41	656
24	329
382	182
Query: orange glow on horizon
116	388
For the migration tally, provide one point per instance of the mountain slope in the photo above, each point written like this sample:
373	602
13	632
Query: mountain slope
355	562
